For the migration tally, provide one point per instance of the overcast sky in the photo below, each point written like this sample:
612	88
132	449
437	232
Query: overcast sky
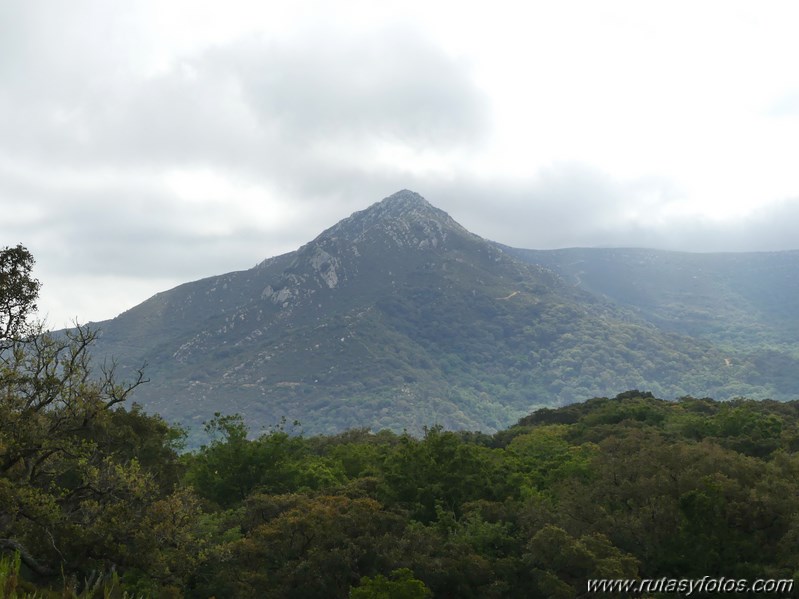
146	144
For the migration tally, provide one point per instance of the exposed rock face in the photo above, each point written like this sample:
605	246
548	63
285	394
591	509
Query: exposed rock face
405	219
402	222
325	267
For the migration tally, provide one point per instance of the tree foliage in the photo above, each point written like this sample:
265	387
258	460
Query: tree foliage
18	291
86	483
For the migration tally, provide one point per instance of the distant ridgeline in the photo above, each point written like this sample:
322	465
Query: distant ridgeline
397	317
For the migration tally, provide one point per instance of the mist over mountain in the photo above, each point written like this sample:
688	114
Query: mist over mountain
734	299
398	317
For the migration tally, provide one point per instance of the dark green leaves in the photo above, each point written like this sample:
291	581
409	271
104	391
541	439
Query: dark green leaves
18	291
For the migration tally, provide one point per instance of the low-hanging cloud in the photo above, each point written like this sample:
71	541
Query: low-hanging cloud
574	205
568	204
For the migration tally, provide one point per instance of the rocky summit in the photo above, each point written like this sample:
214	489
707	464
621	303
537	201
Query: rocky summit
398	317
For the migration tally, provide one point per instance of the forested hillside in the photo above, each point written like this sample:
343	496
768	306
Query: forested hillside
96	499
398	317
746	301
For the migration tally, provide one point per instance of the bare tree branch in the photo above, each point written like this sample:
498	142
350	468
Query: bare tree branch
26	557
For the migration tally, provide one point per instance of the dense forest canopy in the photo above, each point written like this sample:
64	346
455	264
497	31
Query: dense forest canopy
96	498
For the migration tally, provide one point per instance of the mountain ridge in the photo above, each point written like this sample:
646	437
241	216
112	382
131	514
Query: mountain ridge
398	317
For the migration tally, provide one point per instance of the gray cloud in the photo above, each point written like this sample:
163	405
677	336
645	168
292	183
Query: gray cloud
572	205
92	136
129	230
391	84
770	228
564	205
252	104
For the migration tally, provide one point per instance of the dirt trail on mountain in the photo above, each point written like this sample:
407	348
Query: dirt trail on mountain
508	297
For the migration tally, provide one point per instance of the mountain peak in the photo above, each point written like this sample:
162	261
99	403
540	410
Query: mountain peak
401	223
403	201
405	216
405	205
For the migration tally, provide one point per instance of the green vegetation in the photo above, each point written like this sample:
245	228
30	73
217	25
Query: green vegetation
96	499
626	487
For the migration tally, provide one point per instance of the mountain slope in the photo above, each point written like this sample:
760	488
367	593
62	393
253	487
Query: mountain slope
742	300
398	317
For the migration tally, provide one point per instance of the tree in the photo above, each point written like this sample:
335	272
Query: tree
561	564
442	469
74	496
232	467
306	547
18	291
402	585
